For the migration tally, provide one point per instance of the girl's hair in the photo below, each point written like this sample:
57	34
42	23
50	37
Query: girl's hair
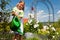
21	2
23	6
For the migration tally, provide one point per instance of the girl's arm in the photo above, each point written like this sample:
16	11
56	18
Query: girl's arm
15	14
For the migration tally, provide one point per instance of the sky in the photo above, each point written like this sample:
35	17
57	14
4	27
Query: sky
41	9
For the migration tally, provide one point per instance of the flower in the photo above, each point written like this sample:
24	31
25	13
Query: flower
53	36
53	28
36	25
37	21
29	21
50	25
45	27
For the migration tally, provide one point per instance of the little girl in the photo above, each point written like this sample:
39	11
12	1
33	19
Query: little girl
19	12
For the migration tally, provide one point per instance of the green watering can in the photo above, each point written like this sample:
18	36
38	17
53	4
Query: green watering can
15	24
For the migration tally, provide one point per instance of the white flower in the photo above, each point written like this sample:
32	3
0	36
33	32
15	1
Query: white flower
50	25
29	21
37	21
47	27
32	16
36	25
53	28
53	36
44	27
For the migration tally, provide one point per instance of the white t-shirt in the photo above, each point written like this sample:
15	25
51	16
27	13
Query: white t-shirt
19	12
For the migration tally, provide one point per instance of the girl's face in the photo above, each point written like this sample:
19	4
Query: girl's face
21	5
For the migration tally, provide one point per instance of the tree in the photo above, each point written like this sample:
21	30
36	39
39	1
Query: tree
5	14
3	3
